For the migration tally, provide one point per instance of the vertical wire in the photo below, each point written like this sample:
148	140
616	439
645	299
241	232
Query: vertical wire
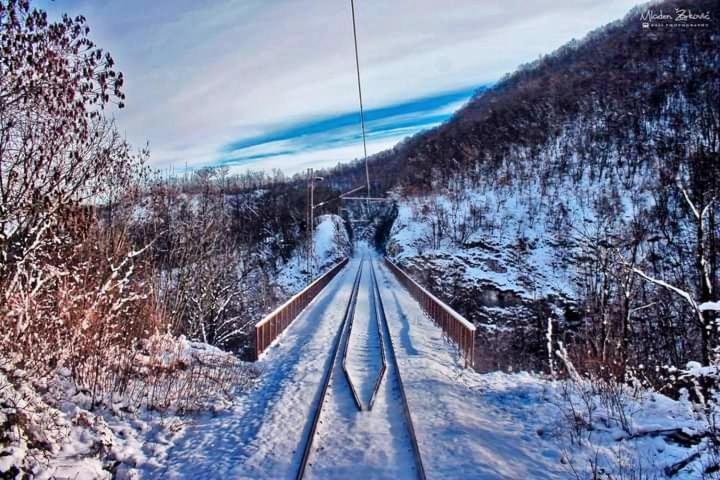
362	112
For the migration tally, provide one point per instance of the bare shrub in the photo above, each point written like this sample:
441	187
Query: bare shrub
167	373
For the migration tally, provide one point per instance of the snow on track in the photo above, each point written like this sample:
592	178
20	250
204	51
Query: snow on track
467	425
364	359
261	437
363	444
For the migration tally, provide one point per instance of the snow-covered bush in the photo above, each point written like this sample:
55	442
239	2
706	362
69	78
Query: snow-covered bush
172	374
623	428
83	311
52	423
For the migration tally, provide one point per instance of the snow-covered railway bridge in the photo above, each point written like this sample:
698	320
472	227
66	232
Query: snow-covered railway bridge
361	415
361	384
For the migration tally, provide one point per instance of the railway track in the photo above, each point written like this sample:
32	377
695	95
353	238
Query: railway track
363	360
361	419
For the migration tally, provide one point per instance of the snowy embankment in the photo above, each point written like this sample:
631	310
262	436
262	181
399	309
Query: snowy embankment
331	244
51	428
518	239
490	239
505	257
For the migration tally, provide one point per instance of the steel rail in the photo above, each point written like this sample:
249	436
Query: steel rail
383	367
349	311
391	348
345	330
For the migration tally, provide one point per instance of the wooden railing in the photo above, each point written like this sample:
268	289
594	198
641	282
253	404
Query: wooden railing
268	329
455	326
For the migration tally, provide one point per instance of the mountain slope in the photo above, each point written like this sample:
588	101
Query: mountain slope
620	79
539	198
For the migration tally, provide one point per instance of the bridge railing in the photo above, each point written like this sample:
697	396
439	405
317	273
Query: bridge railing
455	326
270	327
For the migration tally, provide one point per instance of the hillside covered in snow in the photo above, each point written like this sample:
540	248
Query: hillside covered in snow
574	191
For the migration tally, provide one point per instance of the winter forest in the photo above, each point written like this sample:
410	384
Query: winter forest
567	216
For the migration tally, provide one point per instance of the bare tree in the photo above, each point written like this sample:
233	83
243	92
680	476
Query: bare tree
56	149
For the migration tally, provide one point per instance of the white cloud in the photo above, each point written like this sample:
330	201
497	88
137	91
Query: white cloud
201	74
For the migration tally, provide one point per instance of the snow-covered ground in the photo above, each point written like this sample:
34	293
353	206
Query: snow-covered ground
63	437
331	244
468	425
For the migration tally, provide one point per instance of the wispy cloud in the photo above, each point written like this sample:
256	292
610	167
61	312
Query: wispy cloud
255	82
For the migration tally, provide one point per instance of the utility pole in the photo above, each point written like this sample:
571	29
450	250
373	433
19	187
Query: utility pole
308	222
312	225
311	222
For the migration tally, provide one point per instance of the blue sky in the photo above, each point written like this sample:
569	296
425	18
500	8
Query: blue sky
327	132
262	84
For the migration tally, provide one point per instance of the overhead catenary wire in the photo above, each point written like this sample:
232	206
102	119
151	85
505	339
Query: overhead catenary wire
362	111
344	196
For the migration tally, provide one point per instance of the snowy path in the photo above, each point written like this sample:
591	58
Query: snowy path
363	357
378	441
